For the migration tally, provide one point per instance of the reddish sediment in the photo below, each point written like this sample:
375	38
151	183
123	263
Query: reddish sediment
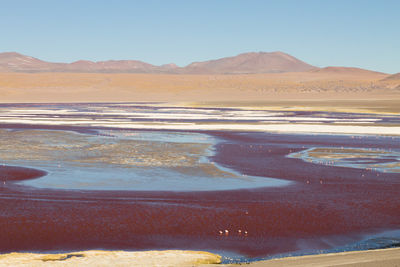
324	207
14	173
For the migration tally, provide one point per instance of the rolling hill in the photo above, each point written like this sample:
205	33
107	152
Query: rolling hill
247	63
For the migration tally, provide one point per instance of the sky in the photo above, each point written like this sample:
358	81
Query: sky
352	33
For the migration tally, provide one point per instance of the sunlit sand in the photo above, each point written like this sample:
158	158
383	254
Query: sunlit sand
112	258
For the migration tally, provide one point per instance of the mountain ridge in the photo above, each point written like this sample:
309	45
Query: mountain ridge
245	63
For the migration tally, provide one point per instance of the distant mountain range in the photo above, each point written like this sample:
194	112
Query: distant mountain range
247	63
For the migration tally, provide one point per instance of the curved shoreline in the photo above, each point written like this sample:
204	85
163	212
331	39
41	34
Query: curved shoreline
277	220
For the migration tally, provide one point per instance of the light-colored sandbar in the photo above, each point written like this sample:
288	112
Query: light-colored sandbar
173	258
382	257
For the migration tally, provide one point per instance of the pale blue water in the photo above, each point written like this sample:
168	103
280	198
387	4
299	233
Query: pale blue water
106	176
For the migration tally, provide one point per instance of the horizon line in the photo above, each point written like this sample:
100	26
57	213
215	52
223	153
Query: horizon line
183	66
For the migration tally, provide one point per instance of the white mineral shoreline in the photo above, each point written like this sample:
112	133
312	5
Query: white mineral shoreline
309	128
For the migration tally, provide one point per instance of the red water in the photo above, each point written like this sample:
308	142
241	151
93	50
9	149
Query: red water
324	207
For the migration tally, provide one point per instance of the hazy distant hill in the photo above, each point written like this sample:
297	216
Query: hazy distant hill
394	77
344	70
261	62
246	63
110	66
15	62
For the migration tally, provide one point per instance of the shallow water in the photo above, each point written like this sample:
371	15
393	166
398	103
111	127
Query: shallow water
374	160
124	160
73	177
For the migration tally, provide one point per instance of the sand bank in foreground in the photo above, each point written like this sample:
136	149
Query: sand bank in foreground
112	258
380	257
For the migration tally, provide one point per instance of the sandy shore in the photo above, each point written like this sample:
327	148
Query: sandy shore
173	258
381	257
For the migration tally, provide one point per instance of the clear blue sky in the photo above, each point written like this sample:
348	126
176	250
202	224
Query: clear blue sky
358	33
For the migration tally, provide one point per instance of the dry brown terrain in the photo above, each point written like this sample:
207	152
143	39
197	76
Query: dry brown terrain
250	77
395	76
107	87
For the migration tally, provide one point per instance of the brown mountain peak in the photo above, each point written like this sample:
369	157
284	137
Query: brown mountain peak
251	62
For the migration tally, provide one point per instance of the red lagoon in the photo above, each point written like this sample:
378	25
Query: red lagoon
324	207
